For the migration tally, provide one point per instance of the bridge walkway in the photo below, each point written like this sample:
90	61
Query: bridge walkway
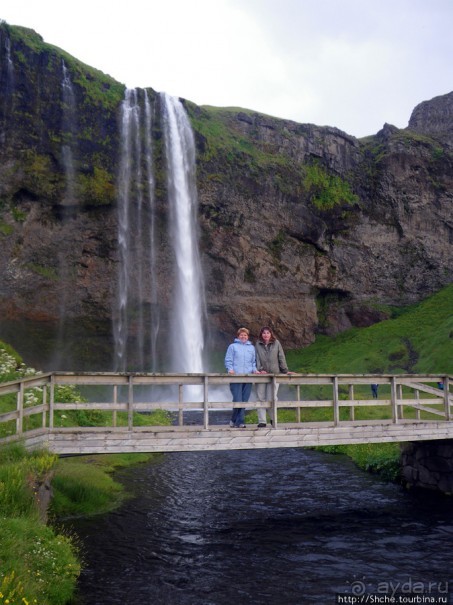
81	413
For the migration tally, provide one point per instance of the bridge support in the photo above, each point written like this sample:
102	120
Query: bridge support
429	465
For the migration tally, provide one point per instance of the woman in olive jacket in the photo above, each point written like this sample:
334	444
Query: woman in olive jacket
270	359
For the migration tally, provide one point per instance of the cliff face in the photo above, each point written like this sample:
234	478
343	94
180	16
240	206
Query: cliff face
304	252
434	118
302	227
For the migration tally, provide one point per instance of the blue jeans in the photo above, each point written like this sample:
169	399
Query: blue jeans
241	392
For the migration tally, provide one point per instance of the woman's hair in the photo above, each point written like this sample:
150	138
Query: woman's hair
243	330
269	330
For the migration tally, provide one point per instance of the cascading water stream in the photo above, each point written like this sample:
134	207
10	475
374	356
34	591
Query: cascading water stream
69	128
187	329
154	315
136	235
8	86
124	187
10	68
138	282
63	351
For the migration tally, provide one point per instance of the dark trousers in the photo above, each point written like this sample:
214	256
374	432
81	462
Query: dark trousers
241	392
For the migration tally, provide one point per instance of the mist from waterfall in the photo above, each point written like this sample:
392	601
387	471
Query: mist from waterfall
186	328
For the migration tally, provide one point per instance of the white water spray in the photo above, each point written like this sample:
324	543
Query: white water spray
187	329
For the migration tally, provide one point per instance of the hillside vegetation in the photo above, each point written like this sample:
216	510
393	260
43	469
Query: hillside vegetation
417	339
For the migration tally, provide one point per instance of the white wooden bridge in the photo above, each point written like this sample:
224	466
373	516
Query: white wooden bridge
312	409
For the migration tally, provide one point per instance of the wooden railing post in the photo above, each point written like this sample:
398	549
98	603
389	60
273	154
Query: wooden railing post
180	405
115	401
400	398
394	399
44	402
336	407
417	397
130	404
20	409
446	383
205	403
274	400
52	402
351	398
298	408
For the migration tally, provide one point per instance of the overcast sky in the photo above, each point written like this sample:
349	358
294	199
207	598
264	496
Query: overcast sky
353	64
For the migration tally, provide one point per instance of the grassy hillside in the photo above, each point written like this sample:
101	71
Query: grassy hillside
418	339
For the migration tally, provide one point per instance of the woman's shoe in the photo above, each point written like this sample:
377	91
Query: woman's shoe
262	425
241	426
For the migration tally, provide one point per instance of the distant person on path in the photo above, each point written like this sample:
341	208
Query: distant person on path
374	390
270	359
240	358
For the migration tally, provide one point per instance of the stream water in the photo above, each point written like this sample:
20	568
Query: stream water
269	527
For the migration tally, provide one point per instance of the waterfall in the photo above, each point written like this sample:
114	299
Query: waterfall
135	237
68	129
187	329
63	352
9	85
138	236
124	243
136	333
155	315
10	68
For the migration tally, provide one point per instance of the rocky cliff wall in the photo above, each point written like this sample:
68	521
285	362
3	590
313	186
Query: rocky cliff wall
428	465
302	227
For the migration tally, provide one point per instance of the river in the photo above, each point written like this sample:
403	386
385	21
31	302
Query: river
263	527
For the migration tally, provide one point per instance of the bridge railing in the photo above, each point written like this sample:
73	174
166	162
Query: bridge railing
123	401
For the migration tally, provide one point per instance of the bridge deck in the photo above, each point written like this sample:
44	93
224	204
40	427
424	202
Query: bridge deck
177	439
413	408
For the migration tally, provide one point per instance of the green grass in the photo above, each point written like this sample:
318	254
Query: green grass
223	139
383	459
37	563
100	89
327	190
419	340
83	485
83	490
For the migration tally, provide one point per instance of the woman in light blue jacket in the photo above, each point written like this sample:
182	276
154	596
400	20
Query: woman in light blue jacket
240	358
